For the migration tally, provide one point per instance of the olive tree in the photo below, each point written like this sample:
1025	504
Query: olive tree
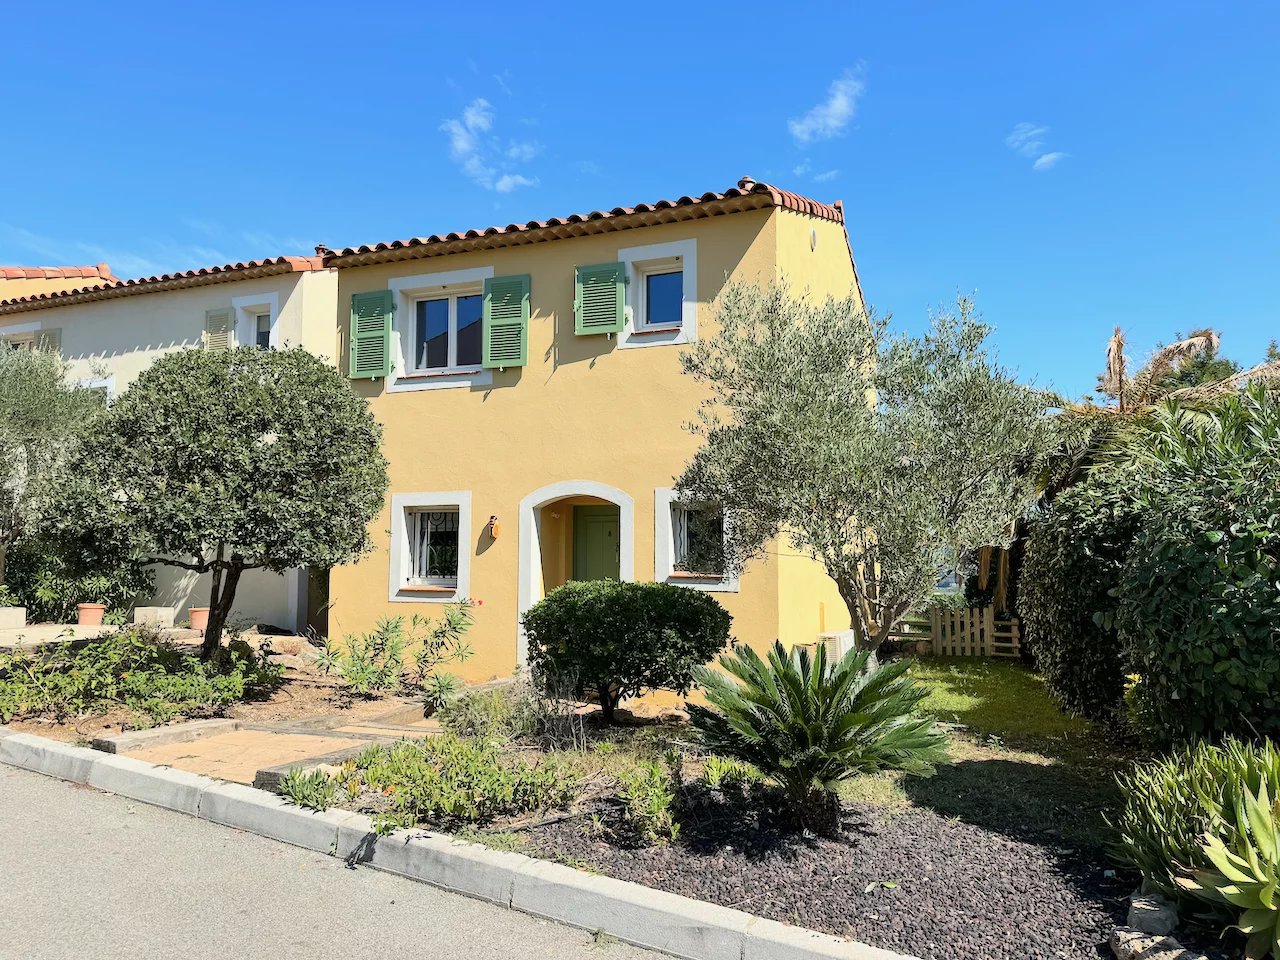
883	457
227	461
42	415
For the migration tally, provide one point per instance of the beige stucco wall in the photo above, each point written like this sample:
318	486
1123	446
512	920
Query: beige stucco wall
120	337
116	339
583	409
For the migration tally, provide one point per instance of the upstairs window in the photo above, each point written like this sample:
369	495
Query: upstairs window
433	547
262	331
448	332
663	298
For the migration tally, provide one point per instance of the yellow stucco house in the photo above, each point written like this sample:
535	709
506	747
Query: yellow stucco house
109	330
529	384
528	381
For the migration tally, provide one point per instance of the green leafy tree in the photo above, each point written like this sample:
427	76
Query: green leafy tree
882	457
42	417
222	462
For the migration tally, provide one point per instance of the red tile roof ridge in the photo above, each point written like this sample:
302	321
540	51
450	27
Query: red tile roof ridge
101	270
746	188
140	284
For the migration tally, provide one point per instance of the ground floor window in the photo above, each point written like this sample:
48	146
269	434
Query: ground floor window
698	535
430	547
433	546
689	543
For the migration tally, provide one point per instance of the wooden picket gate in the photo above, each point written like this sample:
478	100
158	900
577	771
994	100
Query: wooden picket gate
972	632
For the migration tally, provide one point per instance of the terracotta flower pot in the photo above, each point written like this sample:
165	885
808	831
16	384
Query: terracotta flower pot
90	614
199	618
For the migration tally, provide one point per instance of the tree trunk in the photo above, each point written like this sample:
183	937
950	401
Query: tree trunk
221	595
4	555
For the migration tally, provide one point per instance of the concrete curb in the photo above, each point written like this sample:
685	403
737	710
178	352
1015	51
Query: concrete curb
653	919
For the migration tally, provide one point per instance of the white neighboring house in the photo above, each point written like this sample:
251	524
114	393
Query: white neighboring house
110	330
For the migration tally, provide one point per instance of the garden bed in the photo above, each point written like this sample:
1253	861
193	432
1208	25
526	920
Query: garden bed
1001	854
77	693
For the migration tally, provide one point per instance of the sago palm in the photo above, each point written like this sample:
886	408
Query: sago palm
809	722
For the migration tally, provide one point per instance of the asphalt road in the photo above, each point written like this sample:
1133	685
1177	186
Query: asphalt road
92	876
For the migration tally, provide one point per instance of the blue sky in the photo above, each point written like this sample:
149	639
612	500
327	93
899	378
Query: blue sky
1077	166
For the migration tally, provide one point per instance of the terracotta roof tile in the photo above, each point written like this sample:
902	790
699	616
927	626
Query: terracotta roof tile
113	287
56	273
747	195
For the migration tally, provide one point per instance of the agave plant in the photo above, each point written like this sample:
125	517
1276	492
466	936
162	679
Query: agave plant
809	723
1248	877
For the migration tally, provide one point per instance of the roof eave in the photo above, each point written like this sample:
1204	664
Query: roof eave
231	273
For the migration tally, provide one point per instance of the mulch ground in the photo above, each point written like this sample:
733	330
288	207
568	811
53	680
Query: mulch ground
910	880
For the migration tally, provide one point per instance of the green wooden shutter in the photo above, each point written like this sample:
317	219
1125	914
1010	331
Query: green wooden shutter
50	338
371	355
599	298
506	321
218	332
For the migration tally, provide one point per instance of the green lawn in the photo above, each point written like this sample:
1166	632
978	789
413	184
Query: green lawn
1020	767
1000	698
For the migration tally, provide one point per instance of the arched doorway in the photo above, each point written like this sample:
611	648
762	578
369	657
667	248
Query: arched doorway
574	529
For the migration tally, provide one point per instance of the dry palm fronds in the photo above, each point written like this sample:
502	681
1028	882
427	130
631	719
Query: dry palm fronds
1267	373
1166	360
1113	379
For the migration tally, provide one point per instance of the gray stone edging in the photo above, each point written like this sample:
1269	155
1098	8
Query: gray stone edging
648	918
1130	943
158	736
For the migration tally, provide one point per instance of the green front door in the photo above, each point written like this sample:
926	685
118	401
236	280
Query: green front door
595	543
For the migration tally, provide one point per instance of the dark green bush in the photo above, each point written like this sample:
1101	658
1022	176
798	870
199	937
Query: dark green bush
618	640
132	669
1074	554
1200	619
1171	802
1199	596
50	574
809	723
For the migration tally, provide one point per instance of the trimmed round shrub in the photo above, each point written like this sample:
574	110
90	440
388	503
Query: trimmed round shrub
618	640
1171	802
1075	551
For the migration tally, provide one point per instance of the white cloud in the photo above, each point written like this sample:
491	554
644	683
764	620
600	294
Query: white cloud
523	150
1027	140
830	118
801	169
825	176
1047	160
509	181
476	149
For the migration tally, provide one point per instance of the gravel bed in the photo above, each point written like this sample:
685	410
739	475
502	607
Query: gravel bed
911	881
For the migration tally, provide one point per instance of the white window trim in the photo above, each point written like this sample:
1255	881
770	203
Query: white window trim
641	261
405	293
664	549
401	504
245	313
107	383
